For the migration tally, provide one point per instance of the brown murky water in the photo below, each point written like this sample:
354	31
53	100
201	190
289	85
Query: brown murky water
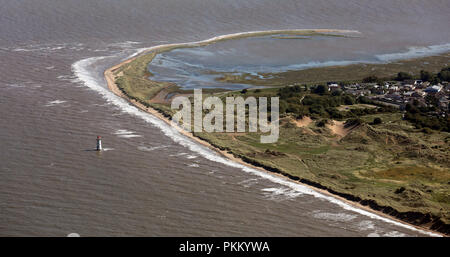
151	181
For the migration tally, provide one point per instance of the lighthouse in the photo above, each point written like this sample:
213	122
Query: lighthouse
99	143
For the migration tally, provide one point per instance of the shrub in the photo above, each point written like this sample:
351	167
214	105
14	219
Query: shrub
334	113
377	120
399	190
289	92
283	106
425	75
444	75
364	100
353	122
403	76
317	109
336	92
427	130
349	100
322	123
370	79
321	90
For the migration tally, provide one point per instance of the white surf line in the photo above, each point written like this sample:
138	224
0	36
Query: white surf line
84	75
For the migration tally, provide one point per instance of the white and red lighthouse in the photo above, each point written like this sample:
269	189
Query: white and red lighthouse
99	143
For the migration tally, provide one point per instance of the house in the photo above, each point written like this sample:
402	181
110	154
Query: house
408	86
433	89
359	92
377	91
393	89
423	85
443	102
351	87
418	94
393	97
333	87
409	93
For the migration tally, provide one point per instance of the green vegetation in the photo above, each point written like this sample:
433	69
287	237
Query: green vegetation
362	163
434	78
318	102
354	146
424	117
401	76
443	75
377	121
132	80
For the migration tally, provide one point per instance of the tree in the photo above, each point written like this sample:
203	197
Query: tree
283	106
349	100
435	80
317	109
244	91
444	75
337	92
431	100
364	100
370	79
334	113
425	75
289	92
403	76
321	89
411	108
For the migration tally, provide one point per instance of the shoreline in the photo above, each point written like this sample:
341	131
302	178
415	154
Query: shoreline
110	79
166	47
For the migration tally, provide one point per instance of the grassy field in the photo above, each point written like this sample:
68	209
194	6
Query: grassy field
392	164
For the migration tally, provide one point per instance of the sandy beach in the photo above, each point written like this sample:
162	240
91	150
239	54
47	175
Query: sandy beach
110	79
